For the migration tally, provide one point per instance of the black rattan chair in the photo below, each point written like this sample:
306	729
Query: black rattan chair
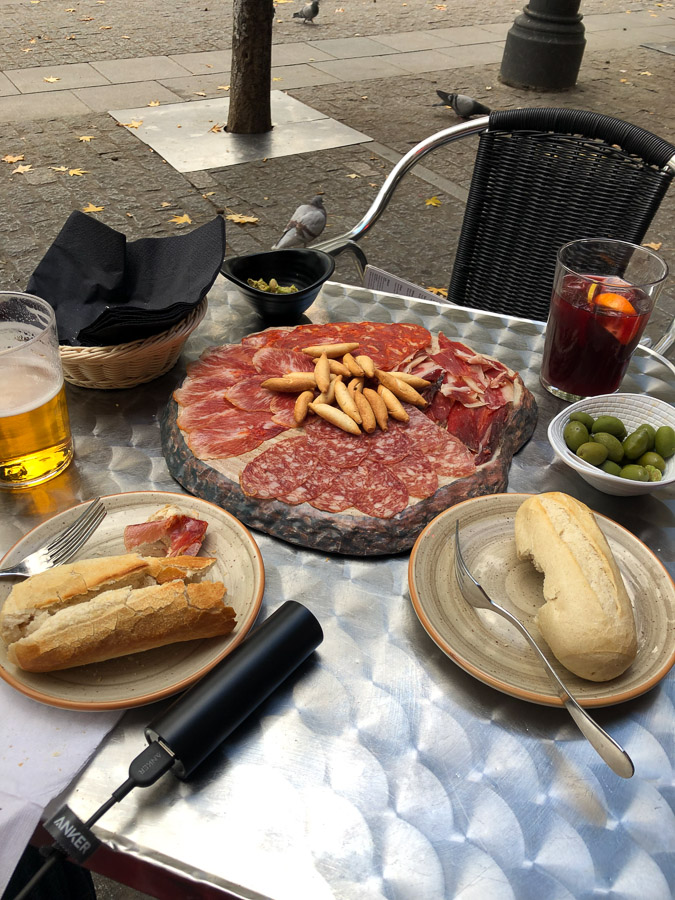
542	177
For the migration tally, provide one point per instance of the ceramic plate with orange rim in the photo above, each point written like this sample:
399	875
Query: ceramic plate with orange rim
488	647
142	678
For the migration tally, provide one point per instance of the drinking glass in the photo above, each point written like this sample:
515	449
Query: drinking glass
603	294
35	439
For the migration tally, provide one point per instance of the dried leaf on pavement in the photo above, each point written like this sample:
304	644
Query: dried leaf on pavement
180	220
78	172
132	124
654	245
86	138
59	168
12	159
153	103
243	220
21	169
432	201
91	208
51	79
440	292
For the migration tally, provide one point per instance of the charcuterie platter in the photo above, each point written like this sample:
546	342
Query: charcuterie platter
231	433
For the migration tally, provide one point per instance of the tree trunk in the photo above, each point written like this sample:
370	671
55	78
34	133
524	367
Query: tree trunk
251	67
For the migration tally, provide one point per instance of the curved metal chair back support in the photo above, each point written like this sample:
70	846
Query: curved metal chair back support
542	177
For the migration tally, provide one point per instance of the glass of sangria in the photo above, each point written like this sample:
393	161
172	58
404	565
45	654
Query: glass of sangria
603	294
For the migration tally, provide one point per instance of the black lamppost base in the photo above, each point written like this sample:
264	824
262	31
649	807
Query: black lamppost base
544	46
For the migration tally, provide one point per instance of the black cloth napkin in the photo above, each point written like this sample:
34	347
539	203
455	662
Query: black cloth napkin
107	290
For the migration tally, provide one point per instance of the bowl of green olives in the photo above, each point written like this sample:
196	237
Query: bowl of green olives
622	444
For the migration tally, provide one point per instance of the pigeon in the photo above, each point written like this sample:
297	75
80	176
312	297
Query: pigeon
464	106
308	12
307	223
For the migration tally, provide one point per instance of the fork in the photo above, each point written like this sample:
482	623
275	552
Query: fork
611	752
62	547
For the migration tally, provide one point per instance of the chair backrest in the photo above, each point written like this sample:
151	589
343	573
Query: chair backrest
543	177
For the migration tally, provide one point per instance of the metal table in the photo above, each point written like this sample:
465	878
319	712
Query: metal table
381	769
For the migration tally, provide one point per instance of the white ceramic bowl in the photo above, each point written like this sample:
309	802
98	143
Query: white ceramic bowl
633	410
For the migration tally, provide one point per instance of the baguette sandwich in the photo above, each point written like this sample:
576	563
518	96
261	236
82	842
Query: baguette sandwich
587	619
97	609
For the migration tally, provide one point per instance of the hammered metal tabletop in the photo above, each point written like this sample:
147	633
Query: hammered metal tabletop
381	769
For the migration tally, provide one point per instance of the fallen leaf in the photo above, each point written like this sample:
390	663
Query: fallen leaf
653	245
153	103
624	81
26	49
180	220
86	138
277	79
208	65
71	9
199	93
208	194
373	184
432	201
645	73
32	41
243	220
59	168
104	27
51	79
78	172
12	159
216	128
91	208
21	169
353	175
223	87
440	292
87	19
132	124
165	203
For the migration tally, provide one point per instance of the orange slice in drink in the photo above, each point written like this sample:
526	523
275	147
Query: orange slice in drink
617	302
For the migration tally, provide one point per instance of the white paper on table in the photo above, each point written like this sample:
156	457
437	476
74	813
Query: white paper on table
42	750
380	280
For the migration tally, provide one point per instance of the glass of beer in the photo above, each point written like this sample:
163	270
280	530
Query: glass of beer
35	439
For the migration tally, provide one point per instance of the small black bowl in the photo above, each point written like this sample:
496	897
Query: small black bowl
306	268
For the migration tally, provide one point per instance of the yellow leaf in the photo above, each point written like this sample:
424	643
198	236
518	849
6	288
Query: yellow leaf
180	220
12	159
164	203
132	124
432	201
104	27
91	208
217	128
645	73
77	172
353	175
71	9
50	79
277	79
26	49
59	168
21	169
199	93
153	103
243	220
440	292
223	87
653	245
623	81
85	138
32	41
208	194
87	19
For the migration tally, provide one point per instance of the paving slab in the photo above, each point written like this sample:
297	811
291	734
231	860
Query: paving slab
293	54
26	107
117	96
349	48
466	34
625	39
662	48
474	55
6	86
425	60
287	78
203	63
406	41
149	68
360	69
32	81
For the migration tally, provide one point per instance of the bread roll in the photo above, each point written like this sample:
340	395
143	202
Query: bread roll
587	619
98	609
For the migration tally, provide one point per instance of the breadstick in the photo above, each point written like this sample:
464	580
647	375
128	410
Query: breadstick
352	365
356	384
346	402
402	390
368	422
329	395
291	385
301	406
378	406
335	417
413	380
332	351
322	373
393	404
367	365
338	368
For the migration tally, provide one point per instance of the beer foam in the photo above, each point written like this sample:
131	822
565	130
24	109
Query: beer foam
26	384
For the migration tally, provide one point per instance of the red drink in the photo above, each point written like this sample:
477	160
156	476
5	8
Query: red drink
593	328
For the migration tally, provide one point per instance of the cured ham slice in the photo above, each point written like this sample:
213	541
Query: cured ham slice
194	389
273	362
200	411
167	533
248	394
231	433
219	359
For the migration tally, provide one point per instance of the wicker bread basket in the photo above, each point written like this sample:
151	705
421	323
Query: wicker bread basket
126	365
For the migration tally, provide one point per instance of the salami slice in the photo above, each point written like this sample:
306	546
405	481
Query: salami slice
272	362
377	491
388	446
336	448
248	394
279	469
231	433
452	458
417	474
318	481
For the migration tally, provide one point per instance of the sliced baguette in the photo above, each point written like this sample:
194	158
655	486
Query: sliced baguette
587	619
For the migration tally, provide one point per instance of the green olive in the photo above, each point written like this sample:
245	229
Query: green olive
613	444
636	444
611	425
610	467
593	453
651	431
634	473
664	441
582	417
575	434
652	459
654	473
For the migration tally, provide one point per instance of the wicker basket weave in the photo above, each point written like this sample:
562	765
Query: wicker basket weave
126	365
